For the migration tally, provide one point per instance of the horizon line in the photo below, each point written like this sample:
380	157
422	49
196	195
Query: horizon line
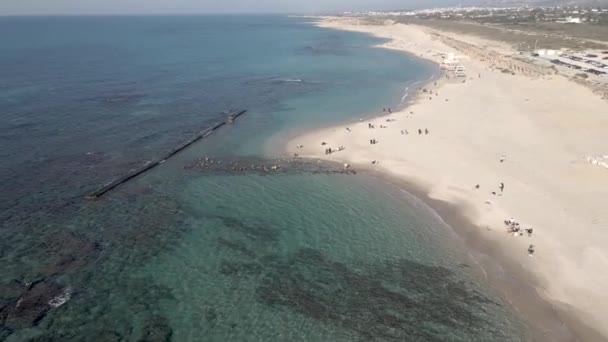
163	14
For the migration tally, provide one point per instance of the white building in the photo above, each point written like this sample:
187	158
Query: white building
573	20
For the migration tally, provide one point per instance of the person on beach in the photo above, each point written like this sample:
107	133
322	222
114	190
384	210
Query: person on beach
384	110
501	187
531	250
389	110
502	158
426	131
419	131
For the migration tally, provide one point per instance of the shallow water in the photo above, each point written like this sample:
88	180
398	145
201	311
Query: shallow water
183	254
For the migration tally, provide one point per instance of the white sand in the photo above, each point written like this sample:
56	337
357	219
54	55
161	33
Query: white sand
545	127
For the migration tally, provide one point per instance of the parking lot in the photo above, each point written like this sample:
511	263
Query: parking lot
590	62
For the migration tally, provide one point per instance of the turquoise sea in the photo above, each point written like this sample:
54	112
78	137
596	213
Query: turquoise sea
185	254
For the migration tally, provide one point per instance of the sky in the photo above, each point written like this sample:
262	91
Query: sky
73	7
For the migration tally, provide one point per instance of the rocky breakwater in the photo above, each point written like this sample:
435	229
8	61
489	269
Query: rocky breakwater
263	166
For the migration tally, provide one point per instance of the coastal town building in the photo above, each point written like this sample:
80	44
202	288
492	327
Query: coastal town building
559	14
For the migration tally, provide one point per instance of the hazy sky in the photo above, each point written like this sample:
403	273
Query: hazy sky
20	7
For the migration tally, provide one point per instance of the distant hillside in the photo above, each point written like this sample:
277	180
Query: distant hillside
534	3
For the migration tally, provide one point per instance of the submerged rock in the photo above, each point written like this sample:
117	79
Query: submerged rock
392	301
157	329
5	332
30	306
67	252
108	336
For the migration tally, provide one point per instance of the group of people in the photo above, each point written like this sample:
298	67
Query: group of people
369	125
330	150
373	141
420	131
501	187
384	110
513	227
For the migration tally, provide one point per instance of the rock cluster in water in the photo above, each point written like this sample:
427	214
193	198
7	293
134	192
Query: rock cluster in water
393	300
24	305
254	165
396	301
73	263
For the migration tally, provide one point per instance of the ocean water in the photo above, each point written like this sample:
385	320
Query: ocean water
186	253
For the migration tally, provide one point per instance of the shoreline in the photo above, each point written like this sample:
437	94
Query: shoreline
530	294
545	320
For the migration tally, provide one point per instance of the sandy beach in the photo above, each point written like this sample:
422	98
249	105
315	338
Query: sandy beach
541	135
